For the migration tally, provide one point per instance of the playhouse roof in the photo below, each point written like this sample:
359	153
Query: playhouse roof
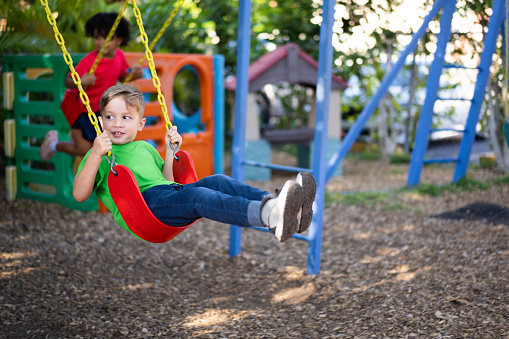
286	63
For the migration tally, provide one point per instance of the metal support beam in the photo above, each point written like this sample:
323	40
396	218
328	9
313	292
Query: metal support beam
427	111
490	41
239	137
320	145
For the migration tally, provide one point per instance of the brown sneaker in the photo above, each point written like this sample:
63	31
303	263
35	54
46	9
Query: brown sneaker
45	151
308	184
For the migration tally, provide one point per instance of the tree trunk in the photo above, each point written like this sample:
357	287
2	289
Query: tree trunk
383	131
413	85
495	122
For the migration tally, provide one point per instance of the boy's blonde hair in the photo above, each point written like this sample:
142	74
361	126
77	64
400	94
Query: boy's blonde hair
132	97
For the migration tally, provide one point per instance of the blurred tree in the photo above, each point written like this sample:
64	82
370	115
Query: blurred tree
361	35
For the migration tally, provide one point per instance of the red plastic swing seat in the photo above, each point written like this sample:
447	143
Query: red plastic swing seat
132	207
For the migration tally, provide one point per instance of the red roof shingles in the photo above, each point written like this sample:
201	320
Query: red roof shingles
267	61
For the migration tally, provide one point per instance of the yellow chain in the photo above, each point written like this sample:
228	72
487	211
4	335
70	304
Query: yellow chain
150	59
68	60
109	37
158	36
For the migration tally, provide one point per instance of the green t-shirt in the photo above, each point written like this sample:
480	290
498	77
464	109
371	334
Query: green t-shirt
145	163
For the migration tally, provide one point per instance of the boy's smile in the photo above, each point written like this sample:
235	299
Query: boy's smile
121	122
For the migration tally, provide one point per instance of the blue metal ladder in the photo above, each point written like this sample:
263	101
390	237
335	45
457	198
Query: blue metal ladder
425	120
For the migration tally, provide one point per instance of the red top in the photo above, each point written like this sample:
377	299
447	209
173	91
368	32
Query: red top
107	73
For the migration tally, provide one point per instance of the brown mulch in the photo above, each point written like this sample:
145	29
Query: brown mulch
385	272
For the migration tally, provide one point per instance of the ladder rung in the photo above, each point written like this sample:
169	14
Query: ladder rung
459	66
448	130
274	166
296	235
454	99
440	160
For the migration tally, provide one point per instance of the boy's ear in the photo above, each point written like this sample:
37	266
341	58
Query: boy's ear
101	122
142	123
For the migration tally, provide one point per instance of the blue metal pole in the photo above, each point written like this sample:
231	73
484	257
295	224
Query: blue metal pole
427	111
323	85
366	113
218	114
490	41
241	90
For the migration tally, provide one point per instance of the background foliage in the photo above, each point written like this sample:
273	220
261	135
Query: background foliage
210	27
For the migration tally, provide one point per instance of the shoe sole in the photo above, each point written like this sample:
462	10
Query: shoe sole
290	203
308	184
47	155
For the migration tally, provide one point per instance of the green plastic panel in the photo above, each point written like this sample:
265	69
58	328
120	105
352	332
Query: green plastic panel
37	96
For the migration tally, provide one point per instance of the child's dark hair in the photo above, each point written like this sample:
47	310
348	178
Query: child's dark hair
101	24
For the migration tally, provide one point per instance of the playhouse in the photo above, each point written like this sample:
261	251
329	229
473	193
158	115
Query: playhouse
287	63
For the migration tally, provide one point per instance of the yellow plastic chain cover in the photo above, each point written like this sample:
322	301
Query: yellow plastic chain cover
8	80
9	137
11	180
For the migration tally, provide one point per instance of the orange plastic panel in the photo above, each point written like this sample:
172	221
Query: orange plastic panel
199	145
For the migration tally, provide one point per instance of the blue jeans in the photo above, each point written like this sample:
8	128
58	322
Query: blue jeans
217	197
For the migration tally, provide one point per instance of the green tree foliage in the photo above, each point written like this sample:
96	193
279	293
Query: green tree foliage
210	27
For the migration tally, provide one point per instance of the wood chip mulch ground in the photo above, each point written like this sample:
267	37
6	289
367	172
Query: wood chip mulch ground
385	272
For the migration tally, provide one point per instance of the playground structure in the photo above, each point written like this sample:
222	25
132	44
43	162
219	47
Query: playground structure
24	159
320	169
32	105
290	64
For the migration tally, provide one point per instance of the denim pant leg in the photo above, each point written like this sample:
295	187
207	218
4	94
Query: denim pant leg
217	197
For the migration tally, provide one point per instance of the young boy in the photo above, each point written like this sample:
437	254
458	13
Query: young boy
111	69
217	197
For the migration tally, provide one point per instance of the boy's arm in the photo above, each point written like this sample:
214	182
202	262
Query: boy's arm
172	136
84	182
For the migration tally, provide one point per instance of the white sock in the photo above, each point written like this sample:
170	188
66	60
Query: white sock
269	213
53	146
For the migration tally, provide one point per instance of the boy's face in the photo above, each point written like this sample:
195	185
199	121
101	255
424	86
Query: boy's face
121	122
109	52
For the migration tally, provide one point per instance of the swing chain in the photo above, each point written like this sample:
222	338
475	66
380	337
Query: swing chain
150	59
68	60
158	36
76	78
155	78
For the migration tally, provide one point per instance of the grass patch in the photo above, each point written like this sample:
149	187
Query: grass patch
382	201
402	158
465	184
364	156
502	180
391	200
